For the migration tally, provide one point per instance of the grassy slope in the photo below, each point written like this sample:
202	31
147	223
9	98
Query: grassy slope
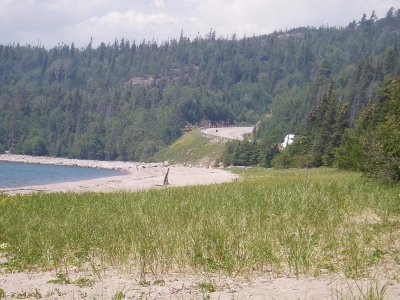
192	148
280	220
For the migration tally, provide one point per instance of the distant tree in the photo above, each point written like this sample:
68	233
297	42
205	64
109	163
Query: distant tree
326	126
282	161
385	143
267	154
349	155
373	146
227	156
35	146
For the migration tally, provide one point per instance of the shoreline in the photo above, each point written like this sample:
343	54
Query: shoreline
139	176
74	162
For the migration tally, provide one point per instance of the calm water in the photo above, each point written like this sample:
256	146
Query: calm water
21	174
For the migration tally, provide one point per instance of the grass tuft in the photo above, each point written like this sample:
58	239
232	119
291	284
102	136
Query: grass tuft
84	282
61	279
374	291
119	296
207	287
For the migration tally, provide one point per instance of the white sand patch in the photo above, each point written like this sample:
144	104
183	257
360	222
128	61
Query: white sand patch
139	176
188	286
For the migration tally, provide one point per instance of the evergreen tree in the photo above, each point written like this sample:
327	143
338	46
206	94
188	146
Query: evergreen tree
384	144
127	100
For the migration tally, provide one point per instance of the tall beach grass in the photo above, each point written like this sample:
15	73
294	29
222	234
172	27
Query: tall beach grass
282	221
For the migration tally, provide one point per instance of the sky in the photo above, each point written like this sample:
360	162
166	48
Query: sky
54	22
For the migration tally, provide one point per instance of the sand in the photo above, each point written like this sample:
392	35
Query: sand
107	283
138	176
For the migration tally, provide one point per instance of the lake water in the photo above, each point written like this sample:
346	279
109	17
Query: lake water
22	174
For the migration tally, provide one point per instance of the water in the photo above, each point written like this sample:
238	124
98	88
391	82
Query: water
21	174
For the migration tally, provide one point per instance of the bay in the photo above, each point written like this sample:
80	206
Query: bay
23	174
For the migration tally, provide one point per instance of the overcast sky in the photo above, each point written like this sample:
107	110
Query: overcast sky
51	22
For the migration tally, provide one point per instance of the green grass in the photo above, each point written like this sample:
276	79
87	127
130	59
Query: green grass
118	296
277	220
192	148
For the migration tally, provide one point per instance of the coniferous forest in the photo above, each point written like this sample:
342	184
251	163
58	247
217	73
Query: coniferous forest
334	88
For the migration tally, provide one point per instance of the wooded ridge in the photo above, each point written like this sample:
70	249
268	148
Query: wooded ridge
128	100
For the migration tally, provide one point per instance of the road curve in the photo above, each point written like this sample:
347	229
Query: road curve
232	133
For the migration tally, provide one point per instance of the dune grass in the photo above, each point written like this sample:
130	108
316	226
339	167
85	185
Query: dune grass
291	221
193	148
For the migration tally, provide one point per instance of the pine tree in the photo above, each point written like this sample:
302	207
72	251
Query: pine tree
388	131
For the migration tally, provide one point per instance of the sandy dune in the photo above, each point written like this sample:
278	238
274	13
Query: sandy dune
138	176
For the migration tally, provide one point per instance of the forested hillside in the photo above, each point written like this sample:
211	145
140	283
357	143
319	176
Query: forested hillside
128	100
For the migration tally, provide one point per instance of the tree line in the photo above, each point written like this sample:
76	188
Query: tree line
127	100
370	145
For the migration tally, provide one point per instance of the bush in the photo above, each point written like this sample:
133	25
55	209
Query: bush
282	161
381	142
349	155
301	161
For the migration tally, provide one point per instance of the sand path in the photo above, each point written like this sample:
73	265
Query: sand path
139	176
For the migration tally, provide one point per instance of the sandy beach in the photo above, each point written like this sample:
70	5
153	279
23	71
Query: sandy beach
139	176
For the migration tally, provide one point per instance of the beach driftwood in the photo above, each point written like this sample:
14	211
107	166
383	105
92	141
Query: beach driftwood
166	178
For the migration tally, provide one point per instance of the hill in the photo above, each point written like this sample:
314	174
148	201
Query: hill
128	101
193	148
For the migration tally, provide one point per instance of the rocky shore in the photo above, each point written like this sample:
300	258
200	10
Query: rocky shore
114	165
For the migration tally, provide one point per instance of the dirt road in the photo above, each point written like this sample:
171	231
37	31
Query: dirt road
232	133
